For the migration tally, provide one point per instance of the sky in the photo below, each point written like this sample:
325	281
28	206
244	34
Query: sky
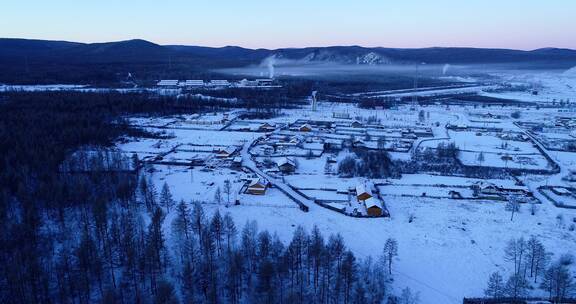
517	24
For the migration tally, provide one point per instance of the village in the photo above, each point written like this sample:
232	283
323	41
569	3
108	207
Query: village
288	170
304	152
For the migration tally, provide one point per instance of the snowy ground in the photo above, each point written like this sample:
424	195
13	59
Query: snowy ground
448	249
552	86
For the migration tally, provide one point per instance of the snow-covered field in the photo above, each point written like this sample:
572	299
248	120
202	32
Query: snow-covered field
447	247
551	86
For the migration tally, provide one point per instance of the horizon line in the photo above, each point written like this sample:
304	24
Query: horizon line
290	47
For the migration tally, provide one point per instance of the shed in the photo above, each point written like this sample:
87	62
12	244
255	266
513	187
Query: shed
373	207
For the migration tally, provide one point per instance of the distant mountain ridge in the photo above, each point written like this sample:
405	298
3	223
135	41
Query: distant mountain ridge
138	50
45	61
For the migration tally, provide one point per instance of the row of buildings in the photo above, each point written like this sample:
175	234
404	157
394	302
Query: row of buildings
216	83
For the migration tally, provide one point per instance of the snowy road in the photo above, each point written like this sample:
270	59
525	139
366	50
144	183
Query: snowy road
249	163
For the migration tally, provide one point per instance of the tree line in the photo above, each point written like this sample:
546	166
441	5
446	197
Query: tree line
148	249
533	267
372	164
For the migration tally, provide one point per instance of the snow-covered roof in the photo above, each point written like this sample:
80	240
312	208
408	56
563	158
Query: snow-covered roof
372	202
334	141
296	138
484	185
167	82
257	181
361	188
219	82
194	82
285	161
266	125
228	150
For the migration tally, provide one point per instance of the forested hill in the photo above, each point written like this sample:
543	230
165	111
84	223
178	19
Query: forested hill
43	61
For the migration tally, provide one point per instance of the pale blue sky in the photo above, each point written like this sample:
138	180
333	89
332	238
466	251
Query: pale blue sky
521	24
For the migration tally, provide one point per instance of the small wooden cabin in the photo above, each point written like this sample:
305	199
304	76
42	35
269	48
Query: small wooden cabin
257	186
363	193
305	128
373	207
226	152
286	165
356	124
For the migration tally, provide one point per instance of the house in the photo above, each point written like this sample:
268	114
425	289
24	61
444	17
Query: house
237	162
286	165
305	128
373	207
486	188
356	124
257	186
226	152
296	139
457	127
290	141
362	192
266	127
423	132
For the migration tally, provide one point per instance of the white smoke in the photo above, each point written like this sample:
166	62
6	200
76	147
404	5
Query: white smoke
445	69
270	62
